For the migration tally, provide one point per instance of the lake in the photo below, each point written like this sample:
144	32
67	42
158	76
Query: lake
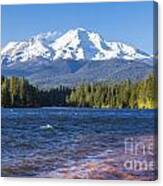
79	143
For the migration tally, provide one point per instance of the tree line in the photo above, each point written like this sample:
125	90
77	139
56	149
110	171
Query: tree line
18	92
122	95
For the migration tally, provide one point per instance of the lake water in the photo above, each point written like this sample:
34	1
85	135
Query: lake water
79	143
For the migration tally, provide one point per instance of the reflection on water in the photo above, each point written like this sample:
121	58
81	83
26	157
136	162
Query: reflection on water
74	142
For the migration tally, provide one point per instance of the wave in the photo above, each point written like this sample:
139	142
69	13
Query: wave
47	127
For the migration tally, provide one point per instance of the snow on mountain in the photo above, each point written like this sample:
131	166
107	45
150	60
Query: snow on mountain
76	44
24	51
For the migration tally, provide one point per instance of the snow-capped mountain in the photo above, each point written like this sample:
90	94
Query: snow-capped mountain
78	56
76	44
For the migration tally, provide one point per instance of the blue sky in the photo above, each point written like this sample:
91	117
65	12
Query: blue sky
127	22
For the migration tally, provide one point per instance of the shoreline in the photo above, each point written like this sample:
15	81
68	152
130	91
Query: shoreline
66	107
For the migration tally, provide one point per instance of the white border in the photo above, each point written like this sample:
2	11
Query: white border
65	182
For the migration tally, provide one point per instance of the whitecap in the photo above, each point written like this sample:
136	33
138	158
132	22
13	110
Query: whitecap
47	127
